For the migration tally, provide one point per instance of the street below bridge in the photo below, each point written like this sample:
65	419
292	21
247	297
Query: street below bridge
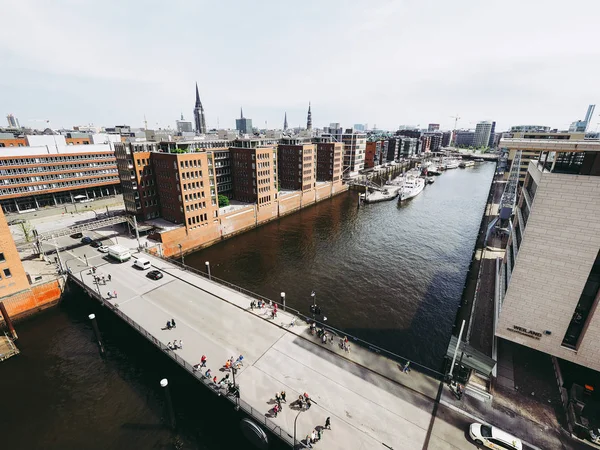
371	403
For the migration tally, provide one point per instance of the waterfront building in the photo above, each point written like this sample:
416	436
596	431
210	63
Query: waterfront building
425	143
10	140
529	128
531	144
77	138
355	144
254	172
481	137
12	274
409	133
329	161
409	147
549	280
581	126
13	122
433	127
446	138
434	142
222	160
492	135
465	138
243	125
393	149
371	149
54	173
296	162
199	118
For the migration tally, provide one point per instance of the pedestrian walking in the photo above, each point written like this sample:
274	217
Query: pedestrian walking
109	277
208	374
406	367
347	347
307	439
331	341
169	326
180	343
115	293
203	361
228	364
276	410
278	399
240	361
283	397
324	339
215	380
172	322
93	269
170	346
319	434
328	423
103	280
313	436
308	404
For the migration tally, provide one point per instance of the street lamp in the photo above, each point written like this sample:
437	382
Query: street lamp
208	269
301	411
181	255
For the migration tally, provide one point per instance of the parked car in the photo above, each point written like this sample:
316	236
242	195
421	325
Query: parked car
96	244
103	249
16	221
77	236
154	275
86	240
492	437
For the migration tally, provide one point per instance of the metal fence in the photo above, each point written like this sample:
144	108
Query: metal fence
253	295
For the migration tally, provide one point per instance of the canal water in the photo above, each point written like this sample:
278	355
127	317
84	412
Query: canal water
389	274
386	273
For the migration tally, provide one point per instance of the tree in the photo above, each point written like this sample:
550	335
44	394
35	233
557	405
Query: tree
223	201
26	228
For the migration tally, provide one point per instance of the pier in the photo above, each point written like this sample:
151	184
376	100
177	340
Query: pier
371	403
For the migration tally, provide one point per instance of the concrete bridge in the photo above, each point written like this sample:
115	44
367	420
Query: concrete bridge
371	403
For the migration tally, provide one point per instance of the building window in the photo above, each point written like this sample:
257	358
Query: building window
585	307
7	273
2	258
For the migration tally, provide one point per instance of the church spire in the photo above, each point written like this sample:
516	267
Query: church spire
309	119
199	119
241	113
285	125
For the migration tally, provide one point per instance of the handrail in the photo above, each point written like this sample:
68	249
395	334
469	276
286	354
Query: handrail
365	344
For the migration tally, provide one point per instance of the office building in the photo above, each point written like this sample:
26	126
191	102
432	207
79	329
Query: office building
433	127
492	136
329	161
393	149
529	128
243	125
550	276
138	181
435	141
446	138
52	174
184	126
10	140
425	143
13	122
465	138
355	144
370	150
409	133
199	118
254	173
409	147
12	274
296	161
222	159
359	127
481	137
581	126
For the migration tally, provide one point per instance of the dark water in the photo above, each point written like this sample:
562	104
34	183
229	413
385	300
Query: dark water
60	394
391	275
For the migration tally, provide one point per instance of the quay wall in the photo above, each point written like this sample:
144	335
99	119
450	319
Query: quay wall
243	219
34	299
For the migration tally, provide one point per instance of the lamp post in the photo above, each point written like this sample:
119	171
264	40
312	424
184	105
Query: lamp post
301	411
208	269
462	327
181	255
283	300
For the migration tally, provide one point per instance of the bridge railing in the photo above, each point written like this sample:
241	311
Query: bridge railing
308	319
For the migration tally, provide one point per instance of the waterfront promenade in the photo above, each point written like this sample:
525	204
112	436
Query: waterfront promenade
370	402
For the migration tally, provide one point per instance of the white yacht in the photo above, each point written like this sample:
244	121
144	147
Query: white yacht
465	164
412	187
452	163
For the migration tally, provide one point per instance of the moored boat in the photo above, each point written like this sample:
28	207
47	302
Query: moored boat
412	187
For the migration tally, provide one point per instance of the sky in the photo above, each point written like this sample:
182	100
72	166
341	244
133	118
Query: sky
381	62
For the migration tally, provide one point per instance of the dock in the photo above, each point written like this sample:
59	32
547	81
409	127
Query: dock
7	348
371	403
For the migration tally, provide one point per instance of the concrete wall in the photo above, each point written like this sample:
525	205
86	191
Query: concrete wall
33	299
289	203
560	243
238	220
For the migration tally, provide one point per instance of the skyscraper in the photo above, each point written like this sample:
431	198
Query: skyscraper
199	118
482	134
309	119
285	125
13	122
581	126
492	135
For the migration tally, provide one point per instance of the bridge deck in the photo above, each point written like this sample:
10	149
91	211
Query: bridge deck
369	400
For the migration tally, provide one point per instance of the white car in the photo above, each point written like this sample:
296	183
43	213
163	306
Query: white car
492	437
103	249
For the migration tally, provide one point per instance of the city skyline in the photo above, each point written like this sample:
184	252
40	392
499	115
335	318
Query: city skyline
84	74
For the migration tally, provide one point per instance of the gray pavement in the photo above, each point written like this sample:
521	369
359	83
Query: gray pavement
370	402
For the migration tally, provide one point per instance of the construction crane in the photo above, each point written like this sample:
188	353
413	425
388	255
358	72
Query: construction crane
456	119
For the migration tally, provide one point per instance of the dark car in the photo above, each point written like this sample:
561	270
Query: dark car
96	244
77	236
154	275
86	240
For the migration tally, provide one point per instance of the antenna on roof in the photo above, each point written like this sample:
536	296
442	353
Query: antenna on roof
145	122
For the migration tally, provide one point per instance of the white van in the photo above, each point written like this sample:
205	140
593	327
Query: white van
492	437
142	263
119	253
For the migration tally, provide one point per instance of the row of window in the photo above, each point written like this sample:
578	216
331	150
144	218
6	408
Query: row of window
54	168
193	185
194	196
190	163
53	159
195	206
265	199
7	273
197	219
191	174
59	176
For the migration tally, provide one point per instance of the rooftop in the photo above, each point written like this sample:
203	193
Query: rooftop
54	150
